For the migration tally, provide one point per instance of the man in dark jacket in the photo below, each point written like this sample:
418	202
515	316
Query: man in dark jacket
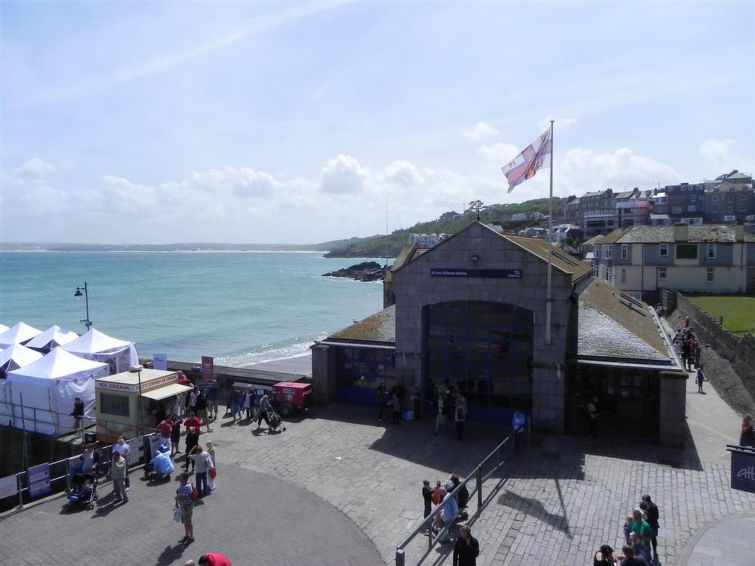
466	548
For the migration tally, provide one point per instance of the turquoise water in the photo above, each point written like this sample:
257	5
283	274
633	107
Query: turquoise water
240	307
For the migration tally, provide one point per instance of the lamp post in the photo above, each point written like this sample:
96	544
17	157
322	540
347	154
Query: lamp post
78	293
138	369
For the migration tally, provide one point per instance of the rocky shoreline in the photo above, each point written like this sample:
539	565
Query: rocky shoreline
365	271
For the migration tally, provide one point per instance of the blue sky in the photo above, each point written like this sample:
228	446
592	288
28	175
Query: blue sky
294	122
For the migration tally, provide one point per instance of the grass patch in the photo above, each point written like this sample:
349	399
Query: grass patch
738	312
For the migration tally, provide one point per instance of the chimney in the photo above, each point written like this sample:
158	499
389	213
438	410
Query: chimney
680	232
739	232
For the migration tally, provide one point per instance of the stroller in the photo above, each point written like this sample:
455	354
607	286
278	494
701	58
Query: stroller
161	466
83	491
275	421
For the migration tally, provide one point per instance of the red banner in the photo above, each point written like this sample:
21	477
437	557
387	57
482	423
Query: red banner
208	368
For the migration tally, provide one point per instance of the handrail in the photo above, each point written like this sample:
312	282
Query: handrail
426	524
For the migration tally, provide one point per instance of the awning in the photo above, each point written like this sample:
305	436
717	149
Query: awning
166	391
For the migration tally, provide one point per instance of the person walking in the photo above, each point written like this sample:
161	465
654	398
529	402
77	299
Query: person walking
467	548
652	514
118	475
193	426
427	497
380	400
518	421
210	559
440	417
700	379
121	447
460	416
203	464
395	407
747	434
264	408
185	502
212	472
77	413
175	433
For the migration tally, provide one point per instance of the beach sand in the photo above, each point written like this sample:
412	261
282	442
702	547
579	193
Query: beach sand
301	365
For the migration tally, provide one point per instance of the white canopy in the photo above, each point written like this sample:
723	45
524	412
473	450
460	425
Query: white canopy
48	388
18	334
3	328
95	345
53	336
17	356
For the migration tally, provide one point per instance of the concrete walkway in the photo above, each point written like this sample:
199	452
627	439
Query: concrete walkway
341	488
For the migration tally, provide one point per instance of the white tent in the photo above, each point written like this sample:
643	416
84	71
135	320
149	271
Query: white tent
3	328
48	388
16	356
53	336
18	334
94	345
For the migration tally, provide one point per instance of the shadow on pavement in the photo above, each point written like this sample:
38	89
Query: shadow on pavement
170	555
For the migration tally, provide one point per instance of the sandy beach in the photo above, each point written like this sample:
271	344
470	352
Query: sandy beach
301	365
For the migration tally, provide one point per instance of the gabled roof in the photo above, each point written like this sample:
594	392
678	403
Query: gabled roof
562	261
611	237
615	325
706	233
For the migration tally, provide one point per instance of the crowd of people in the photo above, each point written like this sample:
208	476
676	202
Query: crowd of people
452	498
640	546
687	347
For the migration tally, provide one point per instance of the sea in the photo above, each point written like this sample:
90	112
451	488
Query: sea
241	308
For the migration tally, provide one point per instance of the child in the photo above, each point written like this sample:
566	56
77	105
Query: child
211	472
700	379
628	529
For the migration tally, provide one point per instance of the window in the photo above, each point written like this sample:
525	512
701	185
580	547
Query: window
663	250
114	404
624	251
623	275
676	210
691	208
710	251
710	275
607	252
662	273
686	251
714	198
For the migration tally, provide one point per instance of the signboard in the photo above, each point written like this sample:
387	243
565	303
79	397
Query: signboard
39	479
743	470
8	486
477	273
160	361
208	368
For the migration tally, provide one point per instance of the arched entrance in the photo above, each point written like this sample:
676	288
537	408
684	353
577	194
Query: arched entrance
483	349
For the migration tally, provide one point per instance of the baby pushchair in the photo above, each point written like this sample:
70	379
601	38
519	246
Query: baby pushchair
161	466
275	421
83	491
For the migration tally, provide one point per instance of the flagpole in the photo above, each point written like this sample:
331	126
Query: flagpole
548	295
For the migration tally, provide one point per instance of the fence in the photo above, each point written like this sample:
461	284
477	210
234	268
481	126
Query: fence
55	477
484	470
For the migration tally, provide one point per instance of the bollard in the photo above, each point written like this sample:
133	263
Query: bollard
399	557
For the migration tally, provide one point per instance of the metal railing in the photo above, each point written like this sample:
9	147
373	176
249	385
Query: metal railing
61	471
484	470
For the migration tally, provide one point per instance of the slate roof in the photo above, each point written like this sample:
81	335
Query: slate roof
379	327
561	260
611	237
614	325
707	233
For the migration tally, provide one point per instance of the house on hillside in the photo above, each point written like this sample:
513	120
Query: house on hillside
698	259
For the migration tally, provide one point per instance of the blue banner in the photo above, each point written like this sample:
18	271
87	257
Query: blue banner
481	273
743	470
39	479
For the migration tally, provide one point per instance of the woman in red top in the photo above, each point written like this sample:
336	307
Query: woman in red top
210	559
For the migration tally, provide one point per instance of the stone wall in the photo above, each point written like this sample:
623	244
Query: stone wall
739	352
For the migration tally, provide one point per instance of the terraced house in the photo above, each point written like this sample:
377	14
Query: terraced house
698	259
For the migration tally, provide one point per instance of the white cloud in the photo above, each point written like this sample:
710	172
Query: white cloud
402	173
720	157
588	169
343	175
481	131
35	168
499	153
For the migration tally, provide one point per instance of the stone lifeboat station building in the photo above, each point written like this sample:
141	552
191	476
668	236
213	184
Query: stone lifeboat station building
470	313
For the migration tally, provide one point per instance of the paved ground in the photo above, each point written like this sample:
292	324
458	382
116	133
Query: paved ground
340	488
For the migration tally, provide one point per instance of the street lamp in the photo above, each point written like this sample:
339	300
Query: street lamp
138	369
78	293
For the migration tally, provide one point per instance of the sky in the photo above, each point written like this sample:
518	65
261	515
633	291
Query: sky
296	122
